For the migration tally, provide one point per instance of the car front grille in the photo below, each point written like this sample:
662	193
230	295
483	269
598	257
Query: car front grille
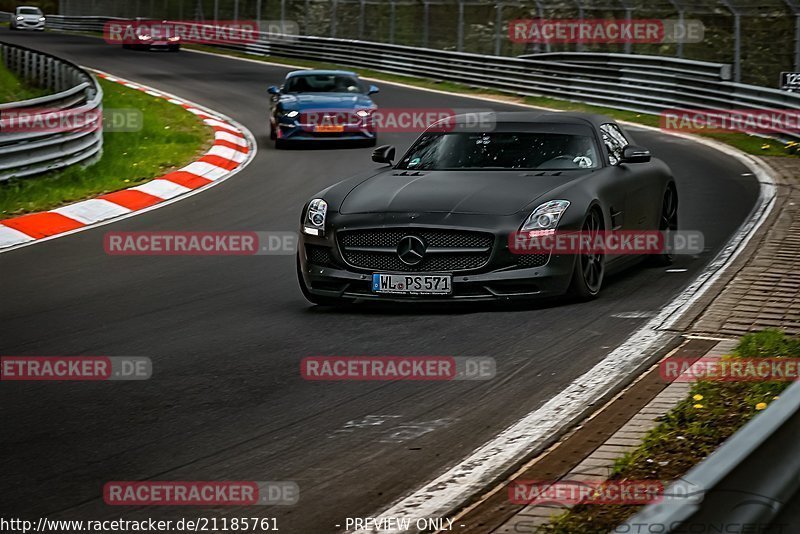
319	255
446	250
532	260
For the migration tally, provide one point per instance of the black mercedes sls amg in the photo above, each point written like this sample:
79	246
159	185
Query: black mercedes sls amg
435	226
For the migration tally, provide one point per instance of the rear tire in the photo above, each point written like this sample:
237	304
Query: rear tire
589	270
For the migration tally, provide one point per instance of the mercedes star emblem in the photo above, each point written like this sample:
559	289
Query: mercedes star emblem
411	250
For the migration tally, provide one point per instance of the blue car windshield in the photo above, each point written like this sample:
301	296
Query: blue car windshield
323	83
501	150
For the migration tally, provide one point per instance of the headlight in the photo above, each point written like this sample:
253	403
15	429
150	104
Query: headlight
546	216
174	38
143	37
314	222
362	113
41	19
291	114
20	18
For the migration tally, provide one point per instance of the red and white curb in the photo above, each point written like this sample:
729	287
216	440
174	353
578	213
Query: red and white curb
234	147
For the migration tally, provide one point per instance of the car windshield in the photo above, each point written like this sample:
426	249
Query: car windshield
29	11
502	150
322	83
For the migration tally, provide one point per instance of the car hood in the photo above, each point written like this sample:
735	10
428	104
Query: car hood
327	101
486	192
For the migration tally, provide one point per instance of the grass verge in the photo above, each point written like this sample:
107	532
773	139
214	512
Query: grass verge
170	138
687	434
750	144
13	89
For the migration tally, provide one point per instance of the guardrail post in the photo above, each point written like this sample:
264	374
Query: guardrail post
425	22
737	40
498	23
797	43
737	55
361	15
795	7
392	18
460	25
334	5
628	12
579	46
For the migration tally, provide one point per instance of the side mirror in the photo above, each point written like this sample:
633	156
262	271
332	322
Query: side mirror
373	89
273	90
635	154
383	154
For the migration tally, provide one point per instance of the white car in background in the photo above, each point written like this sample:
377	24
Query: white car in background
28	18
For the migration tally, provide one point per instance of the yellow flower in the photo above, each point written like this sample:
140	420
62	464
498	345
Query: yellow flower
764	147
697	406
698	397
761	406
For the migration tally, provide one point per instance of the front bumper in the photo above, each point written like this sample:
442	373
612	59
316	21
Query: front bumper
326	272
289	130
29	25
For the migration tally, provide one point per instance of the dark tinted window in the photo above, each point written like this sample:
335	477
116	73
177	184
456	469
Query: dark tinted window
323	83
502	150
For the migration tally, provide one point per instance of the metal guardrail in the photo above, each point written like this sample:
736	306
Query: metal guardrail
742	486
639	83
53	131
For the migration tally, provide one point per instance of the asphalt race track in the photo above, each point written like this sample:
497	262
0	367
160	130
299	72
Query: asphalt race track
226	334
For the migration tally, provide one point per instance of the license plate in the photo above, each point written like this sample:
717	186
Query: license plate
413	284
329	128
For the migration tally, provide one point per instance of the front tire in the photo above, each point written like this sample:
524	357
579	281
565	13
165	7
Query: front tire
667	224
589	270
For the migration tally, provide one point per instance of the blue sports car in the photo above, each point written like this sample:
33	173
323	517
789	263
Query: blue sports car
322	105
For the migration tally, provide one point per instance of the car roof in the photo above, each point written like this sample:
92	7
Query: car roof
321	72
548	117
